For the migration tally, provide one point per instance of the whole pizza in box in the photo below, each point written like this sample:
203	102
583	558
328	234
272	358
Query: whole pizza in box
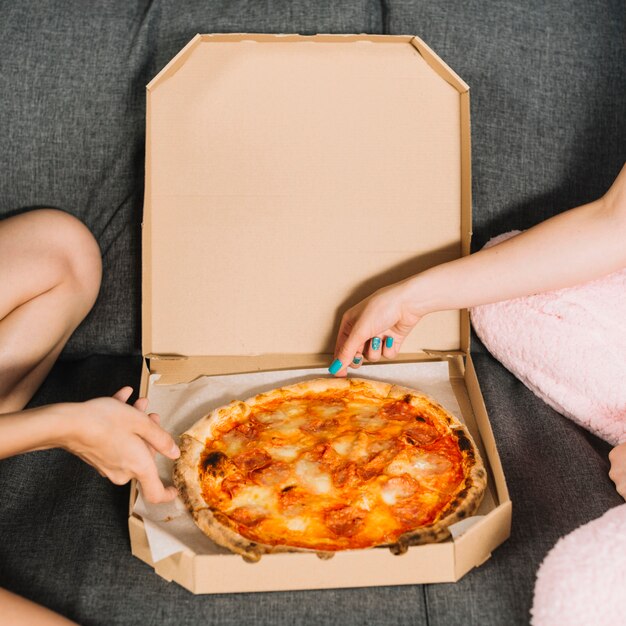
327	465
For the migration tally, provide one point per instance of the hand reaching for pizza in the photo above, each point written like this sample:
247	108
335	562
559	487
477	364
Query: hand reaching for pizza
617	474
119	440
375	327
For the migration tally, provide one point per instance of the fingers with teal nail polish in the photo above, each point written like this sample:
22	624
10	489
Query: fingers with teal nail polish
374	349
356	361
391	347
335	366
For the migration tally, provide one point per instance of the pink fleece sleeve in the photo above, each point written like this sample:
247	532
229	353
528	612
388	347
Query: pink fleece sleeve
568	347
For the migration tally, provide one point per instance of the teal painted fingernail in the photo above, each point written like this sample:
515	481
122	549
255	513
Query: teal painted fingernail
376	343
388	342
357	359
335	366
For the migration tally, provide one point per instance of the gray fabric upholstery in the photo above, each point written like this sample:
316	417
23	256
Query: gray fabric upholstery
548	96
64	540
72	122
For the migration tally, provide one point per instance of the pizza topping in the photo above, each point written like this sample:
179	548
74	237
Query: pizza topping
364	410
297	524
418	464
285	453
421	434
398	487
410	512
431	463
345	521
254	496
360	447
327	411
273	474
231	484
346	475
399	410
271	417
248	430
318	425
375	465
234	442
343	445
247	516
252	459
312	477
292	501
325	455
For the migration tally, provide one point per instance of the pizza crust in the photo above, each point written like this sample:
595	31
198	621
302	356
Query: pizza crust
203	428
216	525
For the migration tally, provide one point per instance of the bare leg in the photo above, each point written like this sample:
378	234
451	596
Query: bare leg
19	611
50	272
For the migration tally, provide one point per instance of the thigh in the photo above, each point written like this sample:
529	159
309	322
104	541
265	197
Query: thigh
42	249
20	611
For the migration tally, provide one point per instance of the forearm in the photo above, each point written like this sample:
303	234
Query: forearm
36	429
574	247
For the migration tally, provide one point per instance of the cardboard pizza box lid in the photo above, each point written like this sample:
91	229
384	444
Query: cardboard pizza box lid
287	177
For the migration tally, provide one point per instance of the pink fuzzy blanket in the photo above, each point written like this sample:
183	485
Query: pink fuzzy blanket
582	581
569	348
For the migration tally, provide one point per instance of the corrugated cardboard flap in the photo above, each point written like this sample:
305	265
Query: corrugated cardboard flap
285	181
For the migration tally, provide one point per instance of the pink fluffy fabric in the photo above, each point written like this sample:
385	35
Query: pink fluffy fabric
568	347
583	579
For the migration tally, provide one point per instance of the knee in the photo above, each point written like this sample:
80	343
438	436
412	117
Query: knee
75	251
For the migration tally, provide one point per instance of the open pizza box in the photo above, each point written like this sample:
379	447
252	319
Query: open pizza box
288	177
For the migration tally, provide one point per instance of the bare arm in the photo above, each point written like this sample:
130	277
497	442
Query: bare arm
115	438
574	247
571	248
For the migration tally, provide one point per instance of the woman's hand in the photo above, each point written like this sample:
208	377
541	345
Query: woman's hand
617	473
120	441
376	327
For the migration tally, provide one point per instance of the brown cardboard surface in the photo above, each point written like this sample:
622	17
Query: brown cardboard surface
287	178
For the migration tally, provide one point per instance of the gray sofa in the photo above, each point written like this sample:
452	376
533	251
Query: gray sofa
548	91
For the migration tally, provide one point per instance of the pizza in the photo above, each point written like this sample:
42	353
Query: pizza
329	464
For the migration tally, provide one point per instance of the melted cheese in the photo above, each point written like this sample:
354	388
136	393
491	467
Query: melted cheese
272	417
389	494
371	423
365	501
327	411
288	427
234	443
313	478
343	445
284	453
417	465
360	447
255	496
297	524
